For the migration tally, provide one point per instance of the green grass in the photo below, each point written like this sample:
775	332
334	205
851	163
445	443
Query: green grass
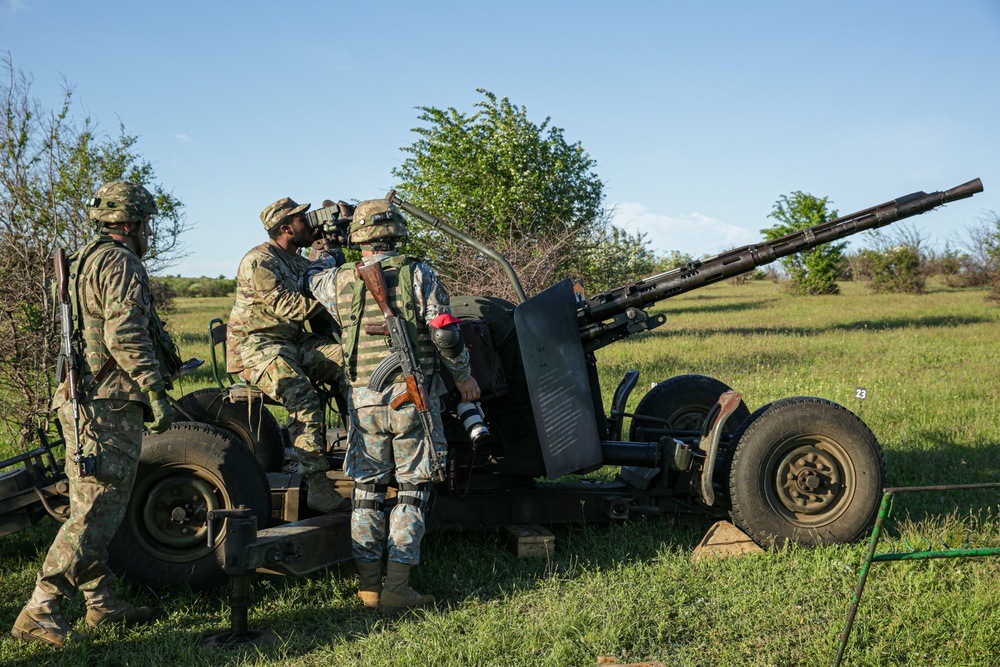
930	364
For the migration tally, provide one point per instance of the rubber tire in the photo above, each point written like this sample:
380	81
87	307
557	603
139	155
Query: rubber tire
226	475
787	430
258	430
685	400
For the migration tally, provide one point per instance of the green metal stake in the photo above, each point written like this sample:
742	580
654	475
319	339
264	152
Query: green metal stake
883	514
884	511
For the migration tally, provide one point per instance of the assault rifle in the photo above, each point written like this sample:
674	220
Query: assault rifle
68	366
403	359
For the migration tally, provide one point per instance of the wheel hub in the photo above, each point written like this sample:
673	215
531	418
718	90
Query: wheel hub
176	509
809	480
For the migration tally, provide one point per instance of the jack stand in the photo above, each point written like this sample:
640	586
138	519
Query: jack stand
241	532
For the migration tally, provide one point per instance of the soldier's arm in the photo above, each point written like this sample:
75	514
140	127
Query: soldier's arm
127	298
285	304
320	283
433	302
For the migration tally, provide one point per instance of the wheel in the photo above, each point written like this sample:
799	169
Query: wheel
806	470
183	474
683	401
256	426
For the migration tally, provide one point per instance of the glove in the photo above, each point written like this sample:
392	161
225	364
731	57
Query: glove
163	412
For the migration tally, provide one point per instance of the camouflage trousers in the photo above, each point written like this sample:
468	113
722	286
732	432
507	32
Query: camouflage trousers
110	430
385	443
284	372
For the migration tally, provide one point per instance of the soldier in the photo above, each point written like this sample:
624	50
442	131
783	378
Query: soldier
385	442
270	348
122	357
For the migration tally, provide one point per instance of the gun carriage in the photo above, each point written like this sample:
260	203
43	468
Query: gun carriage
800	469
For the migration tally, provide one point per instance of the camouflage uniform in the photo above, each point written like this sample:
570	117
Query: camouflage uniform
116	304
384	442
267	342
121	384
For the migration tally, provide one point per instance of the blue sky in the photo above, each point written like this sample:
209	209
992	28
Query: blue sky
699	115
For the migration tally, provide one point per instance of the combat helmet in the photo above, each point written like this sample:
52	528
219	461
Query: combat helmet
120	201
376	219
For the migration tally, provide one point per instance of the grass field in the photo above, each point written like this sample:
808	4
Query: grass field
930	364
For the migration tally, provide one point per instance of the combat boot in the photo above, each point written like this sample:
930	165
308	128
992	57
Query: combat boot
42	621
370	582
104	608
322	496
397	595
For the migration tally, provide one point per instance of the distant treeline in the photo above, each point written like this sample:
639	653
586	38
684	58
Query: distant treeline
167	288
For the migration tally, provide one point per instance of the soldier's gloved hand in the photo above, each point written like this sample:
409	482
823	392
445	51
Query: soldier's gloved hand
163	412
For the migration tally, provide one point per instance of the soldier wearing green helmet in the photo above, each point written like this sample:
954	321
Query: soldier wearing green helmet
386	443
270	347
125	357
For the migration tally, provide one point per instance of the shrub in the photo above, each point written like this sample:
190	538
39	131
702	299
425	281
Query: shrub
897	270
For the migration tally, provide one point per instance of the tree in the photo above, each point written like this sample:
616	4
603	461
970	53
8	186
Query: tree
518	187
672	260
50	164
813	272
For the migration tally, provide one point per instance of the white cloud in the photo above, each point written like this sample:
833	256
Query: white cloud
693	233
181	137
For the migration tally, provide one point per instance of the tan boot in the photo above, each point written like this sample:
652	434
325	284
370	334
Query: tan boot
41	621
397	595
104	608
322	496
370	582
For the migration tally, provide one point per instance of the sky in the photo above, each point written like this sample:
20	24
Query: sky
698	115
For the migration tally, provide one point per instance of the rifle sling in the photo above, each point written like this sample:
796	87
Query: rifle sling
102	373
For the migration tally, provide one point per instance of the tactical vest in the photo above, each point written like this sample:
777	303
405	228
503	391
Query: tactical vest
364	352
88	331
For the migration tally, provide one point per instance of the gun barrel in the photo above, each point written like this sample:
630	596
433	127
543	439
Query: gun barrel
697	274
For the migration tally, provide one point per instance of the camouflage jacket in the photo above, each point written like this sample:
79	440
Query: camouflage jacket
113	295
269	309
430	300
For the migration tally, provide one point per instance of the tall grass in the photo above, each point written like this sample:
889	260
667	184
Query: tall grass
930	364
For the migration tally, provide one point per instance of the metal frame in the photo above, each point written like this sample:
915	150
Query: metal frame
913	554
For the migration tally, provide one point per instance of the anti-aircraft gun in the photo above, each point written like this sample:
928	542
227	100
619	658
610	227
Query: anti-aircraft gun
802	469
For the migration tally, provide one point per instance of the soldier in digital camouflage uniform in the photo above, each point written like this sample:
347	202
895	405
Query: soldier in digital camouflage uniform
121	386
386	442
269	346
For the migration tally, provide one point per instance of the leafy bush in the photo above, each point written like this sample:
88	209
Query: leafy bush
896	270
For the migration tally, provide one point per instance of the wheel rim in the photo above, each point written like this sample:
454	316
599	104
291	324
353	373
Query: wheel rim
688	418
169	519
809	479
